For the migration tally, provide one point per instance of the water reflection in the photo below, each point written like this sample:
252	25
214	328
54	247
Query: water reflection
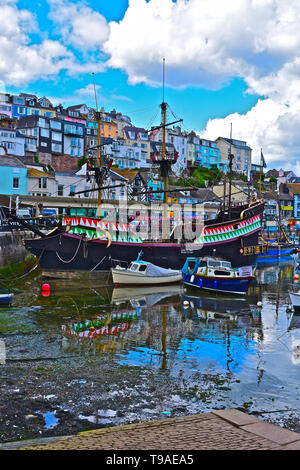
171	331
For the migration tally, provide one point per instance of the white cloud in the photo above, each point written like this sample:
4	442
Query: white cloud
208	42
22	62
79	25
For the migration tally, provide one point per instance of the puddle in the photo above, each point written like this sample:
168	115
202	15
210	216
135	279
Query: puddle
50	420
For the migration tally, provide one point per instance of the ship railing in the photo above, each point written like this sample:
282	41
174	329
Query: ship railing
119	263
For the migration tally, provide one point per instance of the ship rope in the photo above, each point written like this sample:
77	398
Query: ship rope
73	257
98	264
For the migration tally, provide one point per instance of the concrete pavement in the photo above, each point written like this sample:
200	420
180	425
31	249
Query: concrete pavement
218	430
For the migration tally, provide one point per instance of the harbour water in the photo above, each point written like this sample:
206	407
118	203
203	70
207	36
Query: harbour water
86	355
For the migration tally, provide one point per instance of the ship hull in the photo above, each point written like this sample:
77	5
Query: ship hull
67	255
72	253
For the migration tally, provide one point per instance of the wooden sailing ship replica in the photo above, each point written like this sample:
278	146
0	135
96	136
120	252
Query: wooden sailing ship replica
88	245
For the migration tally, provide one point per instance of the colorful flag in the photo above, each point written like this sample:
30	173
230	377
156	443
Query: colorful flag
262	160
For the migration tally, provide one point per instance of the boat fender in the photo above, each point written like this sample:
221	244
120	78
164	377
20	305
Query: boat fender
259	304
192	278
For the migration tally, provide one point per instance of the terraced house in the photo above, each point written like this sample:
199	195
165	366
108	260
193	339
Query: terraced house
241	151
207	154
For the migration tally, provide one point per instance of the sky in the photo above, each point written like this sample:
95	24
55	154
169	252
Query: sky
226	63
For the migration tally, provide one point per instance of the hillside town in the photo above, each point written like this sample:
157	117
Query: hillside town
44	148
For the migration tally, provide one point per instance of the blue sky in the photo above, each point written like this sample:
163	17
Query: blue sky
238	66
140	101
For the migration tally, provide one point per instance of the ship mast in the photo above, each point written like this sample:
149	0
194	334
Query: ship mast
230	158
165	176
98	118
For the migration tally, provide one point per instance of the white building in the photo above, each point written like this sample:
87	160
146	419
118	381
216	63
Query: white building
12	142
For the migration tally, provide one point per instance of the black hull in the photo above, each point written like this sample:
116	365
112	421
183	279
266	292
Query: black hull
67	253
70	254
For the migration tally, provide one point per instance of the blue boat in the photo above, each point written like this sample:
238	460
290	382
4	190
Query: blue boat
216	275
5	299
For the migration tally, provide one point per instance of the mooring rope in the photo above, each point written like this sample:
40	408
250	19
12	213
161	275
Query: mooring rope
73	257
98	264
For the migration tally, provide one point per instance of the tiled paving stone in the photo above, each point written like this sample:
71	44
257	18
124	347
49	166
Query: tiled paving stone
207	431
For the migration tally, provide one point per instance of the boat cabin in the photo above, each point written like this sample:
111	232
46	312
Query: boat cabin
209	267
138	267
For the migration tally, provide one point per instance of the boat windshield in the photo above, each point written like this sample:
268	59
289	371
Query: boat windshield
214	264
133	267
226	264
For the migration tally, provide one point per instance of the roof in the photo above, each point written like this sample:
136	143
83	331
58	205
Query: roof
116	175
33	172
136	130
11	161
234	143
128	174
272	174
294	187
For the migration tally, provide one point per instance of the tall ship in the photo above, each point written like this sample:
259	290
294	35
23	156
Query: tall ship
90	245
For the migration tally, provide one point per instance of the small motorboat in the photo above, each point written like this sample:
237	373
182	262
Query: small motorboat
216	275
144	273
5	298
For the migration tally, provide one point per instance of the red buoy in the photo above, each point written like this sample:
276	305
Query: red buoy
45	287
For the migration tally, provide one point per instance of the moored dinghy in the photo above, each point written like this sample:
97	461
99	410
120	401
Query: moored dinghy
144	273
216	275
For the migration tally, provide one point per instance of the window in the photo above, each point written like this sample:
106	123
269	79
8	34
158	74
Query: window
16	183
56	147
56	136
86	194
44	144
42	122
60	190
21	110
55	125
43	183
44	133
18	100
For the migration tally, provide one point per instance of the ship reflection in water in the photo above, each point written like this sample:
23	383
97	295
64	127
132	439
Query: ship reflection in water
180	335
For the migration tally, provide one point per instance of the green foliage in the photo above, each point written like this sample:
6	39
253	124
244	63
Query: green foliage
81	162
273	180
199	176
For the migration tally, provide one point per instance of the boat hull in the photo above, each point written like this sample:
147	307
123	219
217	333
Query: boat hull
76	252
5	298
65	255
124	278
218	284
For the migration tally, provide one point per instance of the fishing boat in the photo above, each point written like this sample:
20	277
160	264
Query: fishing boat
216	275
144	273
87	245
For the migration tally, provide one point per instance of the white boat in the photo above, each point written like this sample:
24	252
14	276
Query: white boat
295	299
141	273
